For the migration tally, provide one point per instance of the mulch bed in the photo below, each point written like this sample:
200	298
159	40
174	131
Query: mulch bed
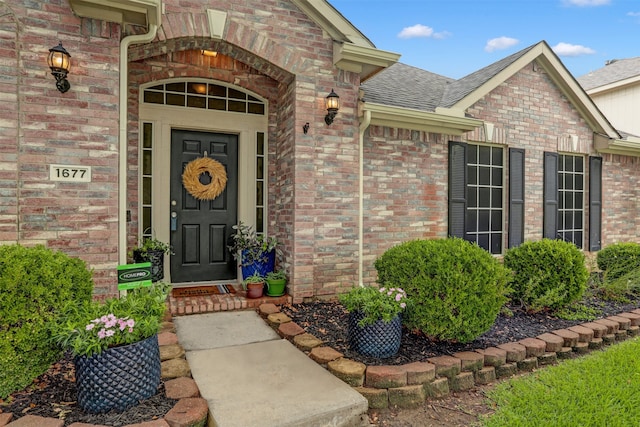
53	394
327	321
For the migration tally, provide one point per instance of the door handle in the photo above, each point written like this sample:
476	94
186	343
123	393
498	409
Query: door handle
174	221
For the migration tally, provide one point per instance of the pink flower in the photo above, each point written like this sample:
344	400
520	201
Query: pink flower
382	290
110	333
398	297
130	330
131	323
102	333
89	327
403	305
122	324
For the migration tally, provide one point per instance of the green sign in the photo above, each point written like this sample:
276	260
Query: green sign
131	276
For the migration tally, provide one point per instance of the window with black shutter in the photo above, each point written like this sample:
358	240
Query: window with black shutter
476	194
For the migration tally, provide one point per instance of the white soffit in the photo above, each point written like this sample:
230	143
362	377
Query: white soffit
138	12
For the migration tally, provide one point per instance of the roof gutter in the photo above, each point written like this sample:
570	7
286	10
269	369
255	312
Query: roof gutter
407	118
629	146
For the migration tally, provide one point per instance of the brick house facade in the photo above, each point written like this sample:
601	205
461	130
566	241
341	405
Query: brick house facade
336	196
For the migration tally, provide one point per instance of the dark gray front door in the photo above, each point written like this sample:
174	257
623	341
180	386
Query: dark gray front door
201	229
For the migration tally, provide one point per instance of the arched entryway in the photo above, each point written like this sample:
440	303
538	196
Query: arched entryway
182	120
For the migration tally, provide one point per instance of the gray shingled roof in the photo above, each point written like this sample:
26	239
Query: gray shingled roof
617	70
402	85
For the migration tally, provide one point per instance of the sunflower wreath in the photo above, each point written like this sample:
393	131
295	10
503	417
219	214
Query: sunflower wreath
191	178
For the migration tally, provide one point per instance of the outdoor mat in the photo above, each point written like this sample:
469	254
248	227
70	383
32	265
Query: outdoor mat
197	291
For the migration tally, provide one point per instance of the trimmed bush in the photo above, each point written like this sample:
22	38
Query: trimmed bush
548	274
35	284
456	287
618	259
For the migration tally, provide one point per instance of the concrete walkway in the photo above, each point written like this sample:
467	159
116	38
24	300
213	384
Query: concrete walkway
251	377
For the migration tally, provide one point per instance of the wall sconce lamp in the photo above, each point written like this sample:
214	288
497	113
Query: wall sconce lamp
59	63
333	105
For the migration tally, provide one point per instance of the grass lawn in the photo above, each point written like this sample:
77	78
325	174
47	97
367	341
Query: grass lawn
601	389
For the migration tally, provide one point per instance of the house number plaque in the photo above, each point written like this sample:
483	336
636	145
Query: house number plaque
70	173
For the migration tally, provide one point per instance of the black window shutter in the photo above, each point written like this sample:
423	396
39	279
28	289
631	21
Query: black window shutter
457	189
550	196
595	203
516	197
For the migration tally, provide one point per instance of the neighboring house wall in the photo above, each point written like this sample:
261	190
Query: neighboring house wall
621	107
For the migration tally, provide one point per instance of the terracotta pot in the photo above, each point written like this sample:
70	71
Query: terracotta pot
255	290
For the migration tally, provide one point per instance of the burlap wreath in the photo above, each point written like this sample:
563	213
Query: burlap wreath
191	178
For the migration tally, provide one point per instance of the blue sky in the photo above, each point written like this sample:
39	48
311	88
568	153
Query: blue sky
457	37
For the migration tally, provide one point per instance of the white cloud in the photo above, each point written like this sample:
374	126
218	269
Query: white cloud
566	49
633	14
500	43
586	3
420	30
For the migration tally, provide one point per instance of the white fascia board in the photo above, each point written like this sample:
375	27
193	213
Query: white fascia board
138	12
625	147
406	118
365	61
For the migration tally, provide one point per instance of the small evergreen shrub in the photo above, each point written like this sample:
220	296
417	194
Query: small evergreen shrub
35	284
618	259
456	288
548	274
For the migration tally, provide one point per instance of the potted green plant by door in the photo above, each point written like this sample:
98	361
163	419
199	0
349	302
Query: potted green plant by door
255	252
254	285
276	283
152	250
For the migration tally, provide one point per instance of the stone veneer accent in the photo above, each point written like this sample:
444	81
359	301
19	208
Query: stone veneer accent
409	385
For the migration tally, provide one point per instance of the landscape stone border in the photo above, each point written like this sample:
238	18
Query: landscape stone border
410	385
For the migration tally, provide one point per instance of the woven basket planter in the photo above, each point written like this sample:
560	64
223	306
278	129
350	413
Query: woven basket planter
119	377
379	339
156	258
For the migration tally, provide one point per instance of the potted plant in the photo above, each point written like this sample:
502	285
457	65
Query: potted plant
152	250
115	347
276	283
255	252
375	323
254	285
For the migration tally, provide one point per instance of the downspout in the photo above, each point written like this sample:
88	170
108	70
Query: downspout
364	124
123	141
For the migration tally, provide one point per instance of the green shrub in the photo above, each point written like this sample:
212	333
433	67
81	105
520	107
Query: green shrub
35	283
456	288
618	259
548	274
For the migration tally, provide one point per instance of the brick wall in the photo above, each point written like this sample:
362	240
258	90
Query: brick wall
406	172
79	127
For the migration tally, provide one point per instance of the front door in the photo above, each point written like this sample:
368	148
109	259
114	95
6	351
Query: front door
200	229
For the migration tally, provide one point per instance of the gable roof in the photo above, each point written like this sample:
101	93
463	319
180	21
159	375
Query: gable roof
405	87
616	73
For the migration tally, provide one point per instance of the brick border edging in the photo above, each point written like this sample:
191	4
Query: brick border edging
190	409
410	385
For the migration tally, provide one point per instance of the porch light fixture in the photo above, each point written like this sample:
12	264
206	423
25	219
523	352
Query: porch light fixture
333	105
59	63
211	53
